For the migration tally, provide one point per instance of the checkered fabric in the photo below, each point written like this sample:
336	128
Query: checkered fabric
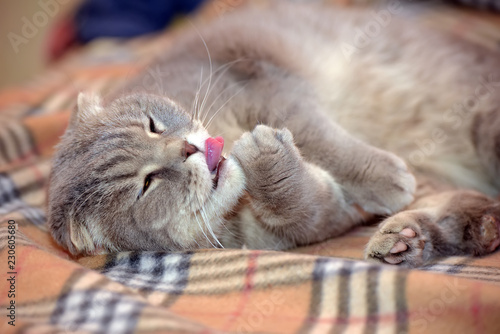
322	288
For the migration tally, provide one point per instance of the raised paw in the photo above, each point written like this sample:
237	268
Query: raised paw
269	160
399	241
266	146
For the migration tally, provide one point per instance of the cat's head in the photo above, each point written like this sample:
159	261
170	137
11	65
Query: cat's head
136	174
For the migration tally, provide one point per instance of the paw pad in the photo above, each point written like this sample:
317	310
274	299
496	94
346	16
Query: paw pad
398	248
408	232
398	242
490	232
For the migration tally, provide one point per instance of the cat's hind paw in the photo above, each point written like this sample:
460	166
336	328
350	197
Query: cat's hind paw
452	223
399	241
490	232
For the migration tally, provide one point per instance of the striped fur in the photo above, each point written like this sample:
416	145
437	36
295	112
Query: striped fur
334	100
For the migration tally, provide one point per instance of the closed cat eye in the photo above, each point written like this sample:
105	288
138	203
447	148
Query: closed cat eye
153	128
147	182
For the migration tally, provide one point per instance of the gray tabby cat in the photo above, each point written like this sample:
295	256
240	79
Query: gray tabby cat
309	117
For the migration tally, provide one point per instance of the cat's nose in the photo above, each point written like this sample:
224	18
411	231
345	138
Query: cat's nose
188	149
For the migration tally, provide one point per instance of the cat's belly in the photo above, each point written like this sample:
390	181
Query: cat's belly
406	107
426	142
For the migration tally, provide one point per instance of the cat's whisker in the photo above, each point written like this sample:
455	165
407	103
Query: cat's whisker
224	69
222	106
193	108
277	245
221	134
203	230
217	98
209	226
85	201
222	220
197	243
196	97
71	209
210	63
204	216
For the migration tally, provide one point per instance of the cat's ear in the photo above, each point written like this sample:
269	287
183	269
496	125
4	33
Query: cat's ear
81	241
88	105
89	102
74	236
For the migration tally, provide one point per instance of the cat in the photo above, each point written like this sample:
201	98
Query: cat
315	133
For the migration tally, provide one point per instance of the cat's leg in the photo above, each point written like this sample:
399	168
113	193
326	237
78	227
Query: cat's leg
451	222
454	222
293	199
485	136
376	180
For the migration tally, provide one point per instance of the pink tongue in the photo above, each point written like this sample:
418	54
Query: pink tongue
213	150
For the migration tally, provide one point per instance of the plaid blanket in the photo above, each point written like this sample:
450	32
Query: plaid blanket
317	289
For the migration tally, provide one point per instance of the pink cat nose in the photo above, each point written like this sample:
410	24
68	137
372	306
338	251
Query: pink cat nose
188	150
213	150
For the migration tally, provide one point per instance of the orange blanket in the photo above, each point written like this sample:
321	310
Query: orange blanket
317	289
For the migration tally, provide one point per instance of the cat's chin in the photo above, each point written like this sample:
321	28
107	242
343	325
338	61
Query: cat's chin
217	172
223	175
230	183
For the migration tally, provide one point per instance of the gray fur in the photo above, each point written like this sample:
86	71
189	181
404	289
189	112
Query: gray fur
309	133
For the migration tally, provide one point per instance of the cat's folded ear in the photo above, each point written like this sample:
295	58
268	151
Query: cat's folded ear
81	241
88	105
72	235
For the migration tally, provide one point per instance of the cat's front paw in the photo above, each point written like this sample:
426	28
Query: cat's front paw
399	240
264	140
387	185
268	157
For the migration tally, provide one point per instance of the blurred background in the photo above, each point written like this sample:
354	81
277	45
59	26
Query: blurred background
16	67
36	32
